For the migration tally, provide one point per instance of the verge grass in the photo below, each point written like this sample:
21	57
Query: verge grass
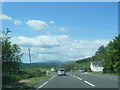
114	74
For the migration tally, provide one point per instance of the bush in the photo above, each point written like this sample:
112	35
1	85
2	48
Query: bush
22	74
8	78
15	77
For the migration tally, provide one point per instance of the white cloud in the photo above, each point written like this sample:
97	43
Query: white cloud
5	17
58	47
60	29
63	29
9	18
16	22
40	41
52	22
37	25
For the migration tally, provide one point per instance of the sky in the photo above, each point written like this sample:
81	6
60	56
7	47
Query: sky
61	31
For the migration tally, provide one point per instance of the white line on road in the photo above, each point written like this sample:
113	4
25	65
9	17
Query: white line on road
74	76
89	83
79	78
46	82
51	78
43	84
84	80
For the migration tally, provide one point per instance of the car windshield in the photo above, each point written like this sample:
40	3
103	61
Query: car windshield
61	70
81	69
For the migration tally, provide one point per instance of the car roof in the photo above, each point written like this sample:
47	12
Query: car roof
60	69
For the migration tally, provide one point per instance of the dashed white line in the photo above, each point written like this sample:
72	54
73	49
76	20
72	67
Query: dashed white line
79	78
45	82
89	83
84	80
74	76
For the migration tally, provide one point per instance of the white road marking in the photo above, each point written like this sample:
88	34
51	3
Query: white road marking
79	78
46	82
51	78
43	84
84	81
89	83
84	73
74	76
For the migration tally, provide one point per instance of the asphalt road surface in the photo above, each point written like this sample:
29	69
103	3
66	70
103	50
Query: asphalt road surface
79	80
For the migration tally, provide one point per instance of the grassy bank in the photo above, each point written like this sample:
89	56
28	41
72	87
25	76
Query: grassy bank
74	71
114	74
32	81
24	78
25	83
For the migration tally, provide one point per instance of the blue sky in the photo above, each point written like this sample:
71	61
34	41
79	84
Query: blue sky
71	22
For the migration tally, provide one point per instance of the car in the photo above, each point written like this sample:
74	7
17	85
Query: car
82	70
53	70
61	72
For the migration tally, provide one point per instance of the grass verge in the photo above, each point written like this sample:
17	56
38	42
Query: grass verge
74	71
114	74
26	83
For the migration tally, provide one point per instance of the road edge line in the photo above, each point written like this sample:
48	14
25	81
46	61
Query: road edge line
45	83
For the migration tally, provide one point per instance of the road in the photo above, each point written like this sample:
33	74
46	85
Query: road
79	80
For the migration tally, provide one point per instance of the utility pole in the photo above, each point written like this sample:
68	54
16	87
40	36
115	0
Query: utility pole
59	66
29	56
44	63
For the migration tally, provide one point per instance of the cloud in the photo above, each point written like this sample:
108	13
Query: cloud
44	41
63	29
9	18
60	29
37	25
5	17
17	22
52	22
58	47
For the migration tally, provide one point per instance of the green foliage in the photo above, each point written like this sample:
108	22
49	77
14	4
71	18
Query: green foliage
70	66
34	72
12	70
11	59
8	78
23	74
11	55
112	56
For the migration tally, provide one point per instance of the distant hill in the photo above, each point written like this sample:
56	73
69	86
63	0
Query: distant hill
47	64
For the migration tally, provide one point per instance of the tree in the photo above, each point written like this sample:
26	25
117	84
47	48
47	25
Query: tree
100	53
70	66
11	55
112	56
116	52
100	50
